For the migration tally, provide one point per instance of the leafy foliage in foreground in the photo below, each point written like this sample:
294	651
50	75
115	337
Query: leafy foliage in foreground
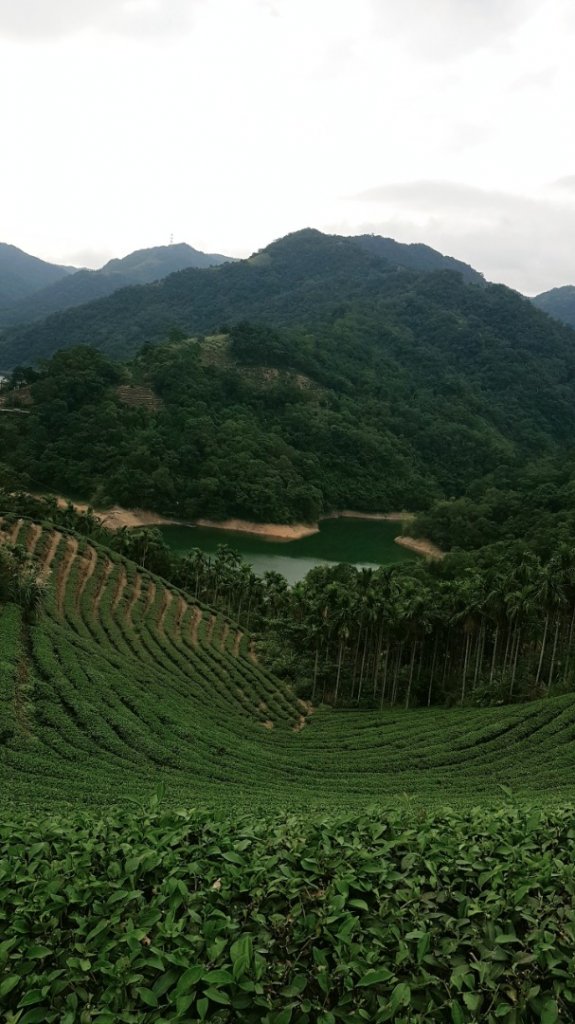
147	916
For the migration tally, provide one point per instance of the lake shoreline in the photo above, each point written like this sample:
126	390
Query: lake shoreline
118	518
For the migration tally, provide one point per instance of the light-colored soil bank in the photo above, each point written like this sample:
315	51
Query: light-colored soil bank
279	531
116	518
421	546
390	517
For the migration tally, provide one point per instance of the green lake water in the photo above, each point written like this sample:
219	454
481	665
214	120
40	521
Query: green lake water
361	542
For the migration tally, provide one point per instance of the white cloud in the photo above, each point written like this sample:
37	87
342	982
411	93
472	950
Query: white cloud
525	241
231	122
48	19
440	29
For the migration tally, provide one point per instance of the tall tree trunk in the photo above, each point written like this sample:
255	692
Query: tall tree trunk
554	652
355	660
431	674
517	645
384	682
315	669
478	656
396	673
408	694
377	663
339	660
494	654
569	646
465	660
543	642
507	645
361	671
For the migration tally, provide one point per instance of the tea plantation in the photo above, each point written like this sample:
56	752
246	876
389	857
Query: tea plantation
182	839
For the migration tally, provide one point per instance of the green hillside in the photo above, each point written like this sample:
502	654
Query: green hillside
558	303
124	682
140	267
21	275
298	279
183	840
415	398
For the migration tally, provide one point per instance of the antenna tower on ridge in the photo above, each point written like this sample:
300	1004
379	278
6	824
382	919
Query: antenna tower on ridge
172	238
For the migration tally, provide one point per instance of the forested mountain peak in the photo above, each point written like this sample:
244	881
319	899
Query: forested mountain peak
140	267
22	275
299	279
146	265
558	303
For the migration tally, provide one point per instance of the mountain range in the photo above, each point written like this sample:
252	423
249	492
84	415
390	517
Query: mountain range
31	289
296	279
148	294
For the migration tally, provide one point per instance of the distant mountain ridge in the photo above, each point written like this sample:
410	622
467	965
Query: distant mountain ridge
558	303
416	256
296	279
77	288
21	275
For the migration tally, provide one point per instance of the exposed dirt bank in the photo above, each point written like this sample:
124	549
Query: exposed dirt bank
116	518
279	531
390	517
421	546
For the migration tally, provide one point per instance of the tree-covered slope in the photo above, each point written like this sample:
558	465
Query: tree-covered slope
21	275
299	279
84	286
390	402
559	303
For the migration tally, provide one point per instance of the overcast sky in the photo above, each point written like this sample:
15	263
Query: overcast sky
228	123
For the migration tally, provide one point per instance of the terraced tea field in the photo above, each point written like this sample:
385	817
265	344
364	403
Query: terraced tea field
126	682
262	889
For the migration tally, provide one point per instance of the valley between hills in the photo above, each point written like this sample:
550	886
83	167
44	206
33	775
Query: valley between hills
230	798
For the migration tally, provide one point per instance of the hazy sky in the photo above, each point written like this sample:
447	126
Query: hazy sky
228	123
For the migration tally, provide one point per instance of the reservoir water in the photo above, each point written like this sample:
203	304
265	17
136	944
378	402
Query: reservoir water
360	542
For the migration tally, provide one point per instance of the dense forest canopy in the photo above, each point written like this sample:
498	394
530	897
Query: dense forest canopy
299	279
349	372
396	402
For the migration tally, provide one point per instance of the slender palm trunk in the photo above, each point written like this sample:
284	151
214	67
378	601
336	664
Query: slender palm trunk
355	661
554	652
507	648
543	643
478	656
432	672
568	655
339	661
408	694
465	661
396	672
315	670
377	661
513	674
494	655
384	683
361	671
